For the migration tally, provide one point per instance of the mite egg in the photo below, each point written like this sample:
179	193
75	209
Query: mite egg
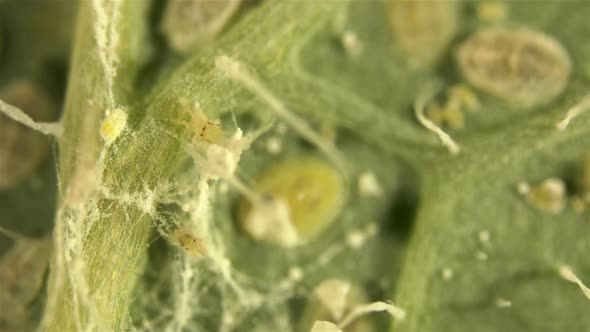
187	24
548	195
113	125
459	98
309	191
22	149
423	29
523	67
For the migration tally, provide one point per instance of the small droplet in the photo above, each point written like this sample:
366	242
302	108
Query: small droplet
368	185
273	145
351	43
447	274
503	303
355	238
484	236
482	256
523	188
295	273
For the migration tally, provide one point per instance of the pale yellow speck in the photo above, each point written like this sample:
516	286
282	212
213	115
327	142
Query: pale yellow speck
548	195
492	11
113	125
503	303
484	236
482	256
447	274
464	97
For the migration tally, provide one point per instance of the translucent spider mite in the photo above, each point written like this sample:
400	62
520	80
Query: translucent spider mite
205	129
187	241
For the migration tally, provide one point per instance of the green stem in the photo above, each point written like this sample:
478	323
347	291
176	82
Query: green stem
109	192
98	246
